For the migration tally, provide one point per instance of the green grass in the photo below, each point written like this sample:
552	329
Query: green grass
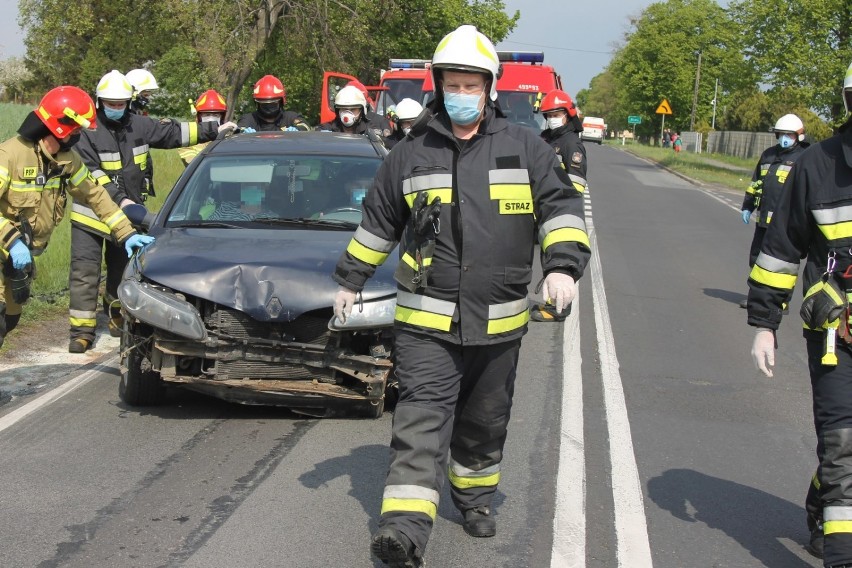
697	166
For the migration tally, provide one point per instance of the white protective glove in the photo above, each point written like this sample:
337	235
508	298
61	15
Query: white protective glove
763	350
344	299
559	290
228	125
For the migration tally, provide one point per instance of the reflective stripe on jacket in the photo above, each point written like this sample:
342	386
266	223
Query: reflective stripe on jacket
498	191
43	205
772	168
812	219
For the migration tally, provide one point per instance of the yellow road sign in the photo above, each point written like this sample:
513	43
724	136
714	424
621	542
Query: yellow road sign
664	108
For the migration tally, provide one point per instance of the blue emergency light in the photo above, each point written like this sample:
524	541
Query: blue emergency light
408	63
521	56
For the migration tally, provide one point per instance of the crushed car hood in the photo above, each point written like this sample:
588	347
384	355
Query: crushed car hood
269	274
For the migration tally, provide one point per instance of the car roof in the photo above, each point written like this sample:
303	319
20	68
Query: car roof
328	143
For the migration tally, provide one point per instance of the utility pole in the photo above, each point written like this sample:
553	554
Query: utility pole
695	94
715	102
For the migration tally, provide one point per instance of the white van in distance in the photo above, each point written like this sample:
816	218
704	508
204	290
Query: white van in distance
594	129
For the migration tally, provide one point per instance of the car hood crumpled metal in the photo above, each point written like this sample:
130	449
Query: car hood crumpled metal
271	275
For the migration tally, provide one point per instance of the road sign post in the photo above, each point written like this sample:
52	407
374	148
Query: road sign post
664	109
634	120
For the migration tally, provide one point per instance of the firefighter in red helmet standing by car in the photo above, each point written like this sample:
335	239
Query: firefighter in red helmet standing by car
270	97
210	107
38	170
562	133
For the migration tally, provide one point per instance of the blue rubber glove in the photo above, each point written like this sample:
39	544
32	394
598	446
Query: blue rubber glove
746	215
247	130
136	241
20	255
291	129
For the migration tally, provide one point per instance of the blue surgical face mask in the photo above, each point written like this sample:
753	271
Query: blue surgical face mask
462	109
114	114
786	141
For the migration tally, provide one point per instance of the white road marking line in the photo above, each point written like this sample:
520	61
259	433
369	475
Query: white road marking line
47	398
569	521
631	528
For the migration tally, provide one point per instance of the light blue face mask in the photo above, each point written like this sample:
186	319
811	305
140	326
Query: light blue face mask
786	140
114	114
461	108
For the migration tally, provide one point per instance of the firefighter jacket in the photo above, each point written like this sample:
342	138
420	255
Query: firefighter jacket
812	221
33	187
570	152
284	120
496	190
360	128
772	169
117	155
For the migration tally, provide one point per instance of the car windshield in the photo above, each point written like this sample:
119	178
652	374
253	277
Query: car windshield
398	89
270	191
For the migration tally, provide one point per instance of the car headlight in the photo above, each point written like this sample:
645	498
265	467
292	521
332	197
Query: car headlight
367	315
161	310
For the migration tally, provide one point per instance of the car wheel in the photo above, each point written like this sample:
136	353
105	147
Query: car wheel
139	386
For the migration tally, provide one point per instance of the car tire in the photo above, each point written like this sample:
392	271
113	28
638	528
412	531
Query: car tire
138	386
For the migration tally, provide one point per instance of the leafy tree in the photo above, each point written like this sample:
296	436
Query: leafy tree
13	77
660	59
601	99
801	48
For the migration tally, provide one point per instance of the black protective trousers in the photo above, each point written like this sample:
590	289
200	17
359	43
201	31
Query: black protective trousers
454	406
832	398
87	252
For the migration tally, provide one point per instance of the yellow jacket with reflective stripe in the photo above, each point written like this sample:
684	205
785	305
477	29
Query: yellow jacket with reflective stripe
43	206
813	219
498	192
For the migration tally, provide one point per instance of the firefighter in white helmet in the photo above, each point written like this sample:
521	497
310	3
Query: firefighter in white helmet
117	155
404	115
462	304
769	175
350	109
144	84
810	224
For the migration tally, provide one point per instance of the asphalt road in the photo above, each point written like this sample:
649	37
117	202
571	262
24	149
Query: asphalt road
640	436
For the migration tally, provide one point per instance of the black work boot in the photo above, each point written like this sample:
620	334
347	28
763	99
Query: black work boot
395	549
478	522
79	345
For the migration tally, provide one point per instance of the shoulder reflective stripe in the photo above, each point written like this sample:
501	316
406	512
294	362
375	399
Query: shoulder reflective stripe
515	176
417	184
777	265
83	322
833	215
92	223
410	506
365	254
372	241
513	308
468	482
425	303
772	279
139	150
81	174
784	168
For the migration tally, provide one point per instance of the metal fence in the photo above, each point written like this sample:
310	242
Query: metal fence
741	144
692	141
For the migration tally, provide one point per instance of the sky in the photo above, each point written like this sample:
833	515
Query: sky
578	38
